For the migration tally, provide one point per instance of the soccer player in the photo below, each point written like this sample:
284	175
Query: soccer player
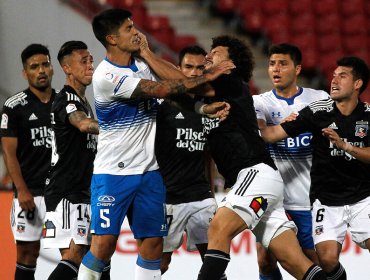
255	200
126	181
26	140
67	192
180	151
292	156
340	172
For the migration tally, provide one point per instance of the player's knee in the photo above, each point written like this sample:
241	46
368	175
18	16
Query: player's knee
27	253
328	262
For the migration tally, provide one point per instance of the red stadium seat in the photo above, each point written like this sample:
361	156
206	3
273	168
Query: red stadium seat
354	42
325	7
250	13
327	64
353	7
181	41
300	7
273	7
302	23
227	6
330	42
279	36
357	24
125	4
332	23
310	59
157	23
275	24
165	36
305	41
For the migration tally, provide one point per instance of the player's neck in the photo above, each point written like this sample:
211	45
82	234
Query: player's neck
78	87
43	95
288	92
347	106
119	58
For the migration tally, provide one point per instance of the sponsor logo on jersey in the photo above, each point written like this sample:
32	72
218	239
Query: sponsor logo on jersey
106	200
71	108
335	152
259	205
109	76
81	231
48	230
21	228
209	124
319	230
179	116
4	121
367	107
41	136
333	126
276	114
33	117
190	139
361	129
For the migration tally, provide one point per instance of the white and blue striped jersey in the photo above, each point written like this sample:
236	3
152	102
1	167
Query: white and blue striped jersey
127	126
292	156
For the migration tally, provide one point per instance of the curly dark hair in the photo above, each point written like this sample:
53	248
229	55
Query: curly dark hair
239	52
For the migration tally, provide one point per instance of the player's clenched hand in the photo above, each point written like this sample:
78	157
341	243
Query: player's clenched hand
333	138
25	199
217	110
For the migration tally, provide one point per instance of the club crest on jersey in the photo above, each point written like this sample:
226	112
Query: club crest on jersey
81	231
361	129
48	230
21	228
319	230
259	205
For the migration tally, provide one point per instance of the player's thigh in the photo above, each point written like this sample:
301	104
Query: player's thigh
328	223
198	223
360	223
303	221
69	222
147	214
27	225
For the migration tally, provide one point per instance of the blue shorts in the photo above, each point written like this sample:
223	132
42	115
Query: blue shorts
139	197
303	221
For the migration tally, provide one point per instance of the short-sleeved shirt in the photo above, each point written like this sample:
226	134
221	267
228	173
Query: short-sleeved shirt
179	147
26	118
236	144
292	156
337	178
73	152
127	126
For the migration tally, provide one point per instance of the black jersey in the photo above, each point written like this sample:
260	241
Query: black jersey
25	117
179	149
73	152
236	144
337	178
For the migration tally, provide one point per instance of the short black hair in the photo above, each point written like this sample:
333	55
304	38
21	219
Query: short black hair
285	48
239	52
195	50
360	70
68	47
32	50
108	22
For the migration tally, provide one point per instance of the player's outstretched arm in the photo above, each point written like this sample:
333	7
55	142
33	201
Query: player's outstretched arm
82	122
271	134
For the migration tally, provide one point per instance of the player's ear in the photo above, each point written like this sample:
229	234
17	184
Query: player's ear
358	84
298	69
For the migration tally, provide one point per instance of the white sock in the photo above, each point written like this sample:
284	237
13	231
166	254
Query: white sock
147	274
85	273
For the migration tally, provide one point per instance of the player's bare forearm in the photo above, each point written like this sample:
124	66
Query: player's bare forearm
85	124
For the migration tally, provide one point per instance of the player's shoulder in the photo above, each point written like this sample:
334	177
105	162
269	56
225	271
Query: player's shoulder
322	105
316	93
19	99
264	96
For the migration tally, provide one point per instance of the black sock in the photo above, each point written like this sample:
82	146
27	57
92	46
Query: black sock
106	272
314	273
339	273
214	265
24	272
65	270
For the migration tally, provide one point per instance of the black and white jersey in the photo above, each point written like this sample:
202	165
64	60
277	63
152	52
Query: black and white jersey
73	152
179	148
236	144
337	178
25	117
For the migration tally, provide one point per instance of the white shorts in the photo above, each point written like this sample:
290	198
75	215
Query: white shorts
257	197
27	225
332	222
193	218
68	222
